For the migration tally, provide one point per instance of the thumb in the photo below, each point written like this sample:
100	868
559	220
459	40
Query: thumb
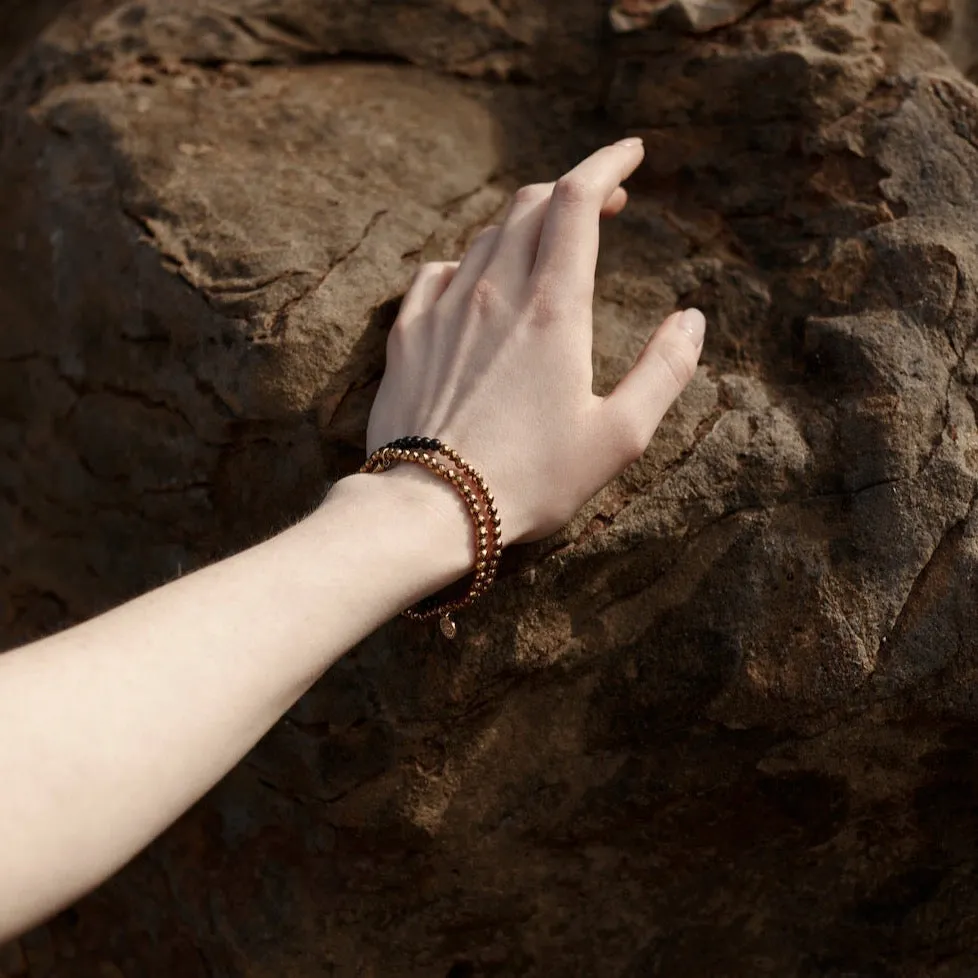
666	365
615	204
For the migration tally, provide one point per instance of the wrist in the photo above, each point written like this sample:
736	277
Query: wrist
428	514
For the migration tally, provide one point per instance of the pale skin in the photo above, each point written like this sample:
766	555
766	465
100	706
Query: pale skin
112	729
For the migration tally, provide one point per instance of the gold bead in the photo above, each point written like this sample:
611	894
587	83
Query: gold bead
481	520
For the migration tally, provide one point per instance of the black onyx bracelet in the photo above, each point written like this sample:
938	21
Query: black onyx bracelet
479	501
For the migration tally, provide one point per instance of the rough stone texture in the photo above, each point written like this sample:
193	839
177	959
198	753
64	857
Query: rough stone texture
724	724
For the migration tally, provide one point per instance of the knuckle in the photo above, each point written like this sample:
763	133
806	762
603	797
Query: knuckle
485	296
546	303
572	189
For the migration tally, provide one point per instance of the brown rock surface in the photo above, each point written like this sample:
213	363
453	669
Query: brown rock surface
724	725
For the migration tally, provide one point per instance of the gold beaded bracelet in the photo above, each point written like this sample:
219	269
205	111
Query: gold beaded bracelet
479	502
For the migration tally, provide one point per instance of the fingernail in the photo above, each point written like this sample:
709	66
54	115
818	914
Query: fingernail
693	324
630	141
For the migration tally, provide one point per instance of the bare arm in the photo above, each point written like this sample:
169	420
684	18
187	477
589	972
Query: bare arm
110	730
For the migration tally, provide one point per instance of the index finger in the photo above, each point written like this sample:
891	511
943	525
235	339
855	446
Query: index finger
567	255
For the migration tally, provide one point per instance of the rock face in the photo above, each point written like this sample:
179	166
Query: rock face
724	724
21	21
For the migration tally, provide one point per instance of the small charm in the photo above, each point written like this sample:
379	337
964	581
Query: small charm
447	626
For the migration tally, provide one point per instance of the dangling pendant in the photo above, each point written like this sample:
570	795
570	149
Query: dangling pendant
447	626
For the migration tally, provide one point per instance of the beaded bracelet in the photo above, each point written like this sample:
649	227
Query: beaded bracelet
480	504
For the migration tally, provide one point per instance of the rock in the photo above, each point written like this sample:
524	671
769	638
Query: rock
723	724
692	16
21	21
12	960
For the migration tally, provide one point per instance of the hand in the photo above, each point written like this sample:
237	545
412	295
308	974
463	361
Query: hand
493	355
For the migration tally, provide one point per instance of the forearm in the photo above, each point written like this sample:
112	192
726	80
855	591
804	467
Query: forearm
109	731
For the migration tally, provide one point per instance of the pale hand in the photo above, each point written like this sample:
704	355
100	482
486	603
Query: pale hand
492	355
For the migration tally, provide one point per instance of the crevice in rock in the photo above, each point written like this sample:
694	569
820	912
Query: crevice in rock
177	262
949	540
83	388
953	376
303	59
239	288
279	320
